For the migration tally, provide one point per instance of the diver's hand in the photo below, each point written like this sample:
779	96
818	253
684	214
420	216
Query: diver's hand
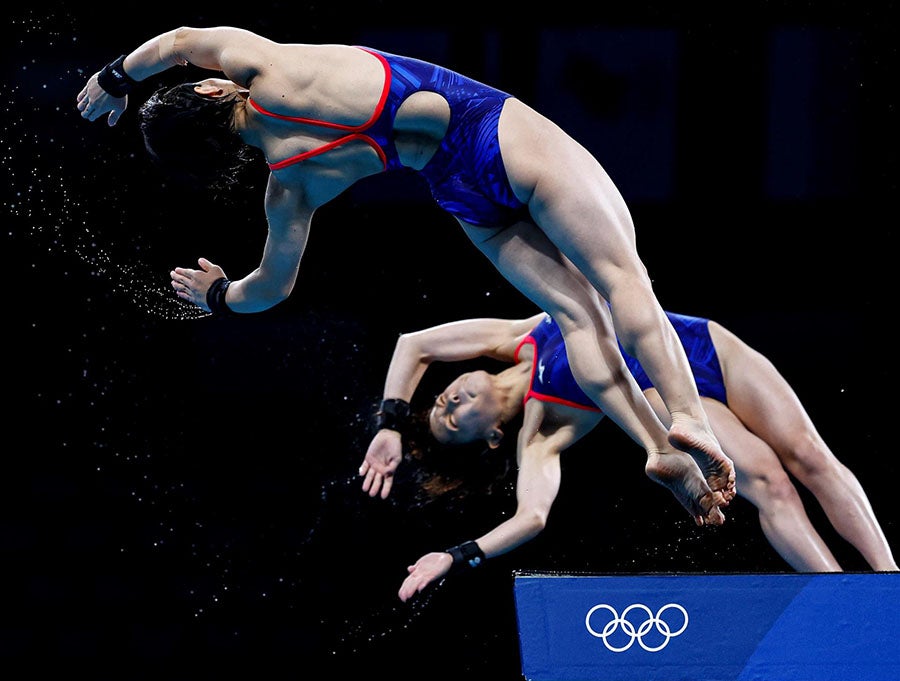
93	102
428	569
192	285
382	458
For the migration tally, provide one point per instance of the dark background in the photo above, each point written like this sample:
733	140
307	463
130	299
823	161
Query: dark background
181	499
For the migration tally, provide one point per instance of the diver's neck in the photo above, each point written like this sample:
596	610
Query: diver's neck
513	384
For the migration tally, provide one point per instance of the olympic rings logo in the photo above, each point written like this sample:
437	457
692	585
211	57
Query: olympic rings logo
636	634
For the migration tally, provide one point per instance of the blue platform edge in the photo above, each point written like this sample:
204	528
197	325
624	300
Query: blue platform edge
702	627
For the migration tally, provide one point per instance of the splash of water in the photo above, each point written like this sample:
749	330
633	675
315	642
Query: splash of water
52	198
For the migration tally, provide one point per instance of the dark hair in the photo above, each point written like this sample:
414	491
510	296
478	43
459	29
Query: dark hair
192	136
450	473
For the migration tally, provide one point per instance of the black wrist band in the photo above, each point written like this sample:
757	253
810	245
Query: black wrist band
215	298
467	554
392	414
114	80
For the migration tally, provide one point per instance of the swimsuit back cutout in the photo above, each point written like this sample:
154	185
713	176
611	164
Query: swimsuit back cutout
466	175
376	132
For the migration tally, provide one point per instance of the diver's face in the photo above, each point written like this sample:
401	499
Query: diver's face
466	411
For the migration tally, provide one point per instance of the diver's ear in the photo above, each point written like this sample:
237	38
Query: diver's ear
208	90
494	437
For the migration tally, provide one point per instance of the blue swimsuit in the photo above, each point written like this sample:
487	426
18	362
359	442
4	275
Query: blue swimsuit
701	354
552	380
466	174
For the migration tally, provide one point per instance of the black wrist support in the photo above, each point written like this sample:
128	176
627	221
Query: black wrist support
215	298
114	80
467	554
392	414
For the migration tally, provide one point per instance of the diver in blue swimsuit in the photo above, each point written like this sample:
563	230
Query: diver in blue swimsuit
533	200
755	412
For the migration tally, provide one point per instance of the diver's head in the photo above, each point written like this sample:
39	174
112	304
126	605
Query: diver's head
469	409
189	130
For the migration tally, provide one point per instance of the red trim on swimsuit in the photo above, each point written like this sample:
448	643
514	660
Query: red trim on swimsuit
540	396
356	130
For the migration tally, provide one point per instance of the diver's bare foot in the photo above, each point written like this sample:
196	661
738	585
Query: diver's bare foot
678	472
716	467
